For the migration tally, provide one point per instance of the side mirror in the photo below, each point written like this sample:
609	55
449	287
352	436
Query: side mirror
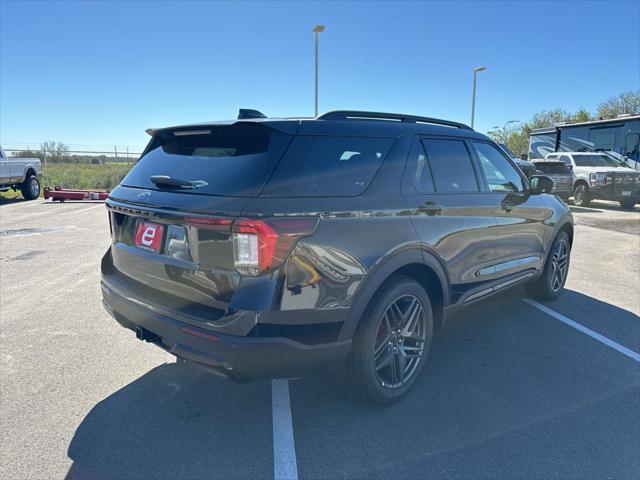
541	184
524	156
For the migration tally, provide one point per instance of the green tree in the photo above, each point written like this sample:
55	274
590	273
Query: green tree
55	151
512	135
548	118
625	103
581	115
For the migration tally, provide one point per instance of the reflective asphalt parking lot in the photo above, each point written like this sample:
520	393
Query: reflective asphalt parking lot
510	391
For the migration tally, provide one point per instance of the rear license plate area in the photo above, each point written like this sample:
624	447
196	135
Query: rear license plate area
149	236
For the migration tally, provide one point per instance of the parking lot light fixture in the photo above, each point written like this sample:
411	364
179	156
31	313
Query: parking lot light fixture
316	30
473	99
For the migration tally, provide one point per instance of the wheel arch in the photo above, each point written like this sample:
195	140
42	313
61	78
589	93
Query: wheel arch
28	172
580	181
418	263
566	227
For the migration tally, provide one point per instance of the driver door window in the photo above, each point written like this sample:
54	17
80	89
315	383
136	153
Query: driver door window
500	173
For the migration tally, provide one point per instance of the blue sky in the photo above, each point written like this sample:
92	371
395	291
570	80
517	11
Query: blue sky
99	73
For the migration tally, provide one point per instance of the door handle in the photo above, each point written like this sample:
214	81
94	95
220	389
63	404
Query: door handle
430	209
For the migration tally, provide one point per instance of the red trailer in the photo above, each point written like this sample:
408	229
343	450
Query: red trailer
61	194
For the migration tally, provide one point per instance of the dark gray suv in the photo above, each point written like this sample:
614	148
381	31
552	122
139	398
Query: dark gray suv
262	248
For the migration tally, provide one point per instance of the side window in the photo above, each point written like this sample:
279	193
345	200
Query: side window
422	179
604	139
341	166
451	166
501	175
565	159
631	144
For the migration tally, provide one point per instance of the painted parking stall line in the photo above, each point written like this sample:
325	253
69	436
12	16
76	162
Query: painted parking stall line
284	450
587	331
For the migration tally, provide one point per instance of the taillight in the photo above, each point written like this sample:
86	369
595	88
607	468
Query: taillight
210	223
262	245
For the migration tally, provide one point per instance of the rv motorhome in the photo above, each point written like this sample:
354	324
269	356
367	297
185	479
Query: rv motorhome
618	137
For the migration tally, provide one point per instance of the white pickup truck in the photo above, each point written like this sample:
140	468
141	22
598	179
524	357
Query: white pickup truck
20	173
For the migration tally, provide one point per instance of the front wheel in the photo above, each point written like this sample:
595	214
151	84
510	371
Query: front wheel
581	197
554	275
628	203
392	342
30	188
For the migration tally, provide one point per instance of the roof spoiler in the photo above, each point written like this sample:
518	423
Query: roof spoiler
245	113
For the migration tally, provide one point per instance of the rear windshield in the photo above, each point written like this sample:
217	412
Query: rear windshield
552	167
595	160
234	160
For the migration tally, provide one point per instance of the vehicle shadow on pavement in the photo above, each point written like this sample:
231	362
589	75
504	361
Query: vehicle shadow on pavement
598	207
618	324
176	421
507	393
584	210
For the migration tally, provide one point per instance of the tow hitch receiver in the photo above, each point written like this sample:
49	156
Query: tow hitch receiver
146	336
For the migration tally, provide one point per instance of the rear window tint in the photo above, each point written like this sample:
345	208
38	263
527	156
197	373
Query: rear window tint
340	166
451	166
234	160
553	167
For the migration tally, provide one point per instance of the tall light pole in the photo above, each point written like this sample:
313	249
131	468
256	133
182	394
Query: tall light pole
316	30
473	100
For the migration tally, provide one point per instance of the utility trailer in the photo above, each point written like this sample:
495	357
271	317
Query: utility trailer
59	194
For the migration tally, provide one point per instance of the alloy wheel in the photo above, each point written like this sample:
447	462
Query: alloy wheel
35	187
400	341
559	265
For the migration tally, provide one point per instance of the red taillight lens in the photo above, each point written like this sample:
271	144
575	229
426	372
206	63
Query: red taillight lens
261	245
210	223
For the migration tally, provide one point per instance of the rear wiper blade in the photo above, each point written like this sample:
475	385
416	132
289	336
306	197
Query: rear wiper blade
169	182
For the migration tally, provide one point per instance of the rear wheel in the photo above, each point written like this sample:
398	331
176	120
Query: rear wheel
554	276
392	342
630	203
581	197
30	188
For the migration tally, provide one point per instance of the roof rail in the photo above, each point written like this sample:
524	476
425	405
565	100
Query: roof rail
398	117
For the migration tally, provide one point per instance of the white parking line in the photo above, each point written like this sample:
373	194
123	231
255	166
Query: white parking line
601	338
88	208
284	450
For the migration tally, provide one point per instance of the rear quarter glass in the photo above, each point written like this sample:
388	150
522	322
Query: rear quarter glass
233	160
328	166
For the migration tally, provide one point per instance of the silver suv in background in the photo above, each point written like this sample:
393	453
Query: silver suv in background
560	173
597	175
20	174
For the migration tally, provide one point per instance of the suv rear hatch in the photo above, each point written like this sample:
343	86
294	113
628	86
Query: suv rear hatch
172	216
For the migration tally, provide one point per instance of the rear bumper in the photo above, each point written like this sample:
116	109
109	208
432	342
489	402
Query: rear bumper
236	357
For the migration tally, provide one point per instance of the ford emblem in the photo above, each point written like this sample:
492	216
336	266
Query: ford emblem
144	195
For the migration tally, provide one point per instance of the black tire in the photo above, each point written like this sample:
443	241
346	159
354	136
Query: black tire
630	203
360	374
581	196
30	188
549	286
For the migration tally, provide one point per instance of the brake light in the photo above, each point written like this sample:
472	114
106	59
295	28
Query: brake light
210	223
262	245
